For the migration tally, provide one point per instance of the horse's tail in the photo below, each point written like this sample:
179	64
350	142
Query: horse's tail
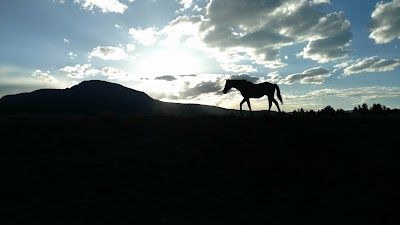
278	93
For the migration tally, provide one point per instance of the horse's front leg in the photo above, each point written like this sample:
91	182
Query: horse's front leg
241	103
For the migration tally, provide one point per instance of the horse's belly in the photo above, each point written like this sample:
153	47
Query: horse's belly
253	95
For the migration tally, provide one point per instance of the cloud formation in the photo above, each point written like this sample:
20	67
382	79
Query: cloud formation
364	94
117	74
109	53
145	37
72	55
252	79
274	77
185	4
371	64
258	30
238	68
80	71
104	5
166	78
333	35
45	76
314	75
203	87
385	22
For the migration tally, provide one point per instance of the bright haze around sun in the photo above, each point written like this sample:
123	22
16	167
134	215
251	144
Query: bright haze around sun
320	52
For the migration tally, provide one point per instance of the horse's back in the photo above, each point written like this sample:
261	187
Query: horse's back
265	86
258	90
266	83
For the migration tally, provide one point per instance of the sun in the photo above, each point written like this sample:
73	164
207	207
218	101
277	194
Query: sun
168	62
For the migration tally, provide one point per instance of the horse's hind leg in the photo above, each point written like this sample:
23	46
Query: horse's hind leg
276	103
269	104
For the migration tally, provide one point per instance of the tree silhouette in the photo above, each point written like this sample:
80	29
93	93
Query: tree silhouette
359	110
328	110
363	108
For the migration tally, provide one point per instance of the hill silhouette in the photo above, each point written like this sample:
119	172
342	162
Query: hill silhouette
96	97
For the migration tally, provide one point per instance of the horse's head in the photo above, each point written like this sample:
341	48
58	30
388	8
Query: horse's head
228	86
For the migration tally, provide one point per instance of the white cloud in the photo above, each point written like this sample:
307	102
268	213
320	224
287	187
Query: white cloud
183	30
104	5
109	53
66	41
328	49
74	82
203	87
361	94
343	64
328	39
130	47
267	57
185	4
196	8
274	77
146	36
60	1
72	55
257	31
321	1
116	74
86	70
45	76
200	88
371	64
166	78
385	22
80	71
314	75
238	68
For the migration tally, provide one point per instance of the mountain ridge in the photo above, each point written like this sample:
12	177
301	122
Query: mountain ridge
94	97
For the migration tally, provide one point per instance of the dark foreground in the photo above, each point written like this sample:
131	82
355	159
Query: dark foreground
200	171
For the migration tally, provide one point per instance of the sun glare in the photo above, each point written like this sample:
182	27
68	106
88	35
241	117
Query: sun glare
172	62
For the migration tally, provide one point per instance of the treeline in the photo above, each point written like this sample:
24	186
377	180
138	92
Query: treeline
363	110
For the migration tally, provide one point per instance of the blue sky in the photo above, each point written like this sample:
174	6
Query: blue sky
320	52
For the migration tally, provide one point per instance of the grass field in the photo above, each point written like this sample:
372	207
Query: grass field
200	170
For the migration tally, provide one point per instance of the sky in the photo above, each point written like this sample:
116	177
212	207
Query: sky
338	53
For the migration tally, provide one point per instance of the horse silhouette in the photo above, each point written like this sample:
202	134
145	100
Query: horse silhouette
250	90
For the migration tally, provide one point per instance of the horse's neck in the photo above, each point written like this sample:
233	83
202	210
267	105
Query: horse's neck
240	86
